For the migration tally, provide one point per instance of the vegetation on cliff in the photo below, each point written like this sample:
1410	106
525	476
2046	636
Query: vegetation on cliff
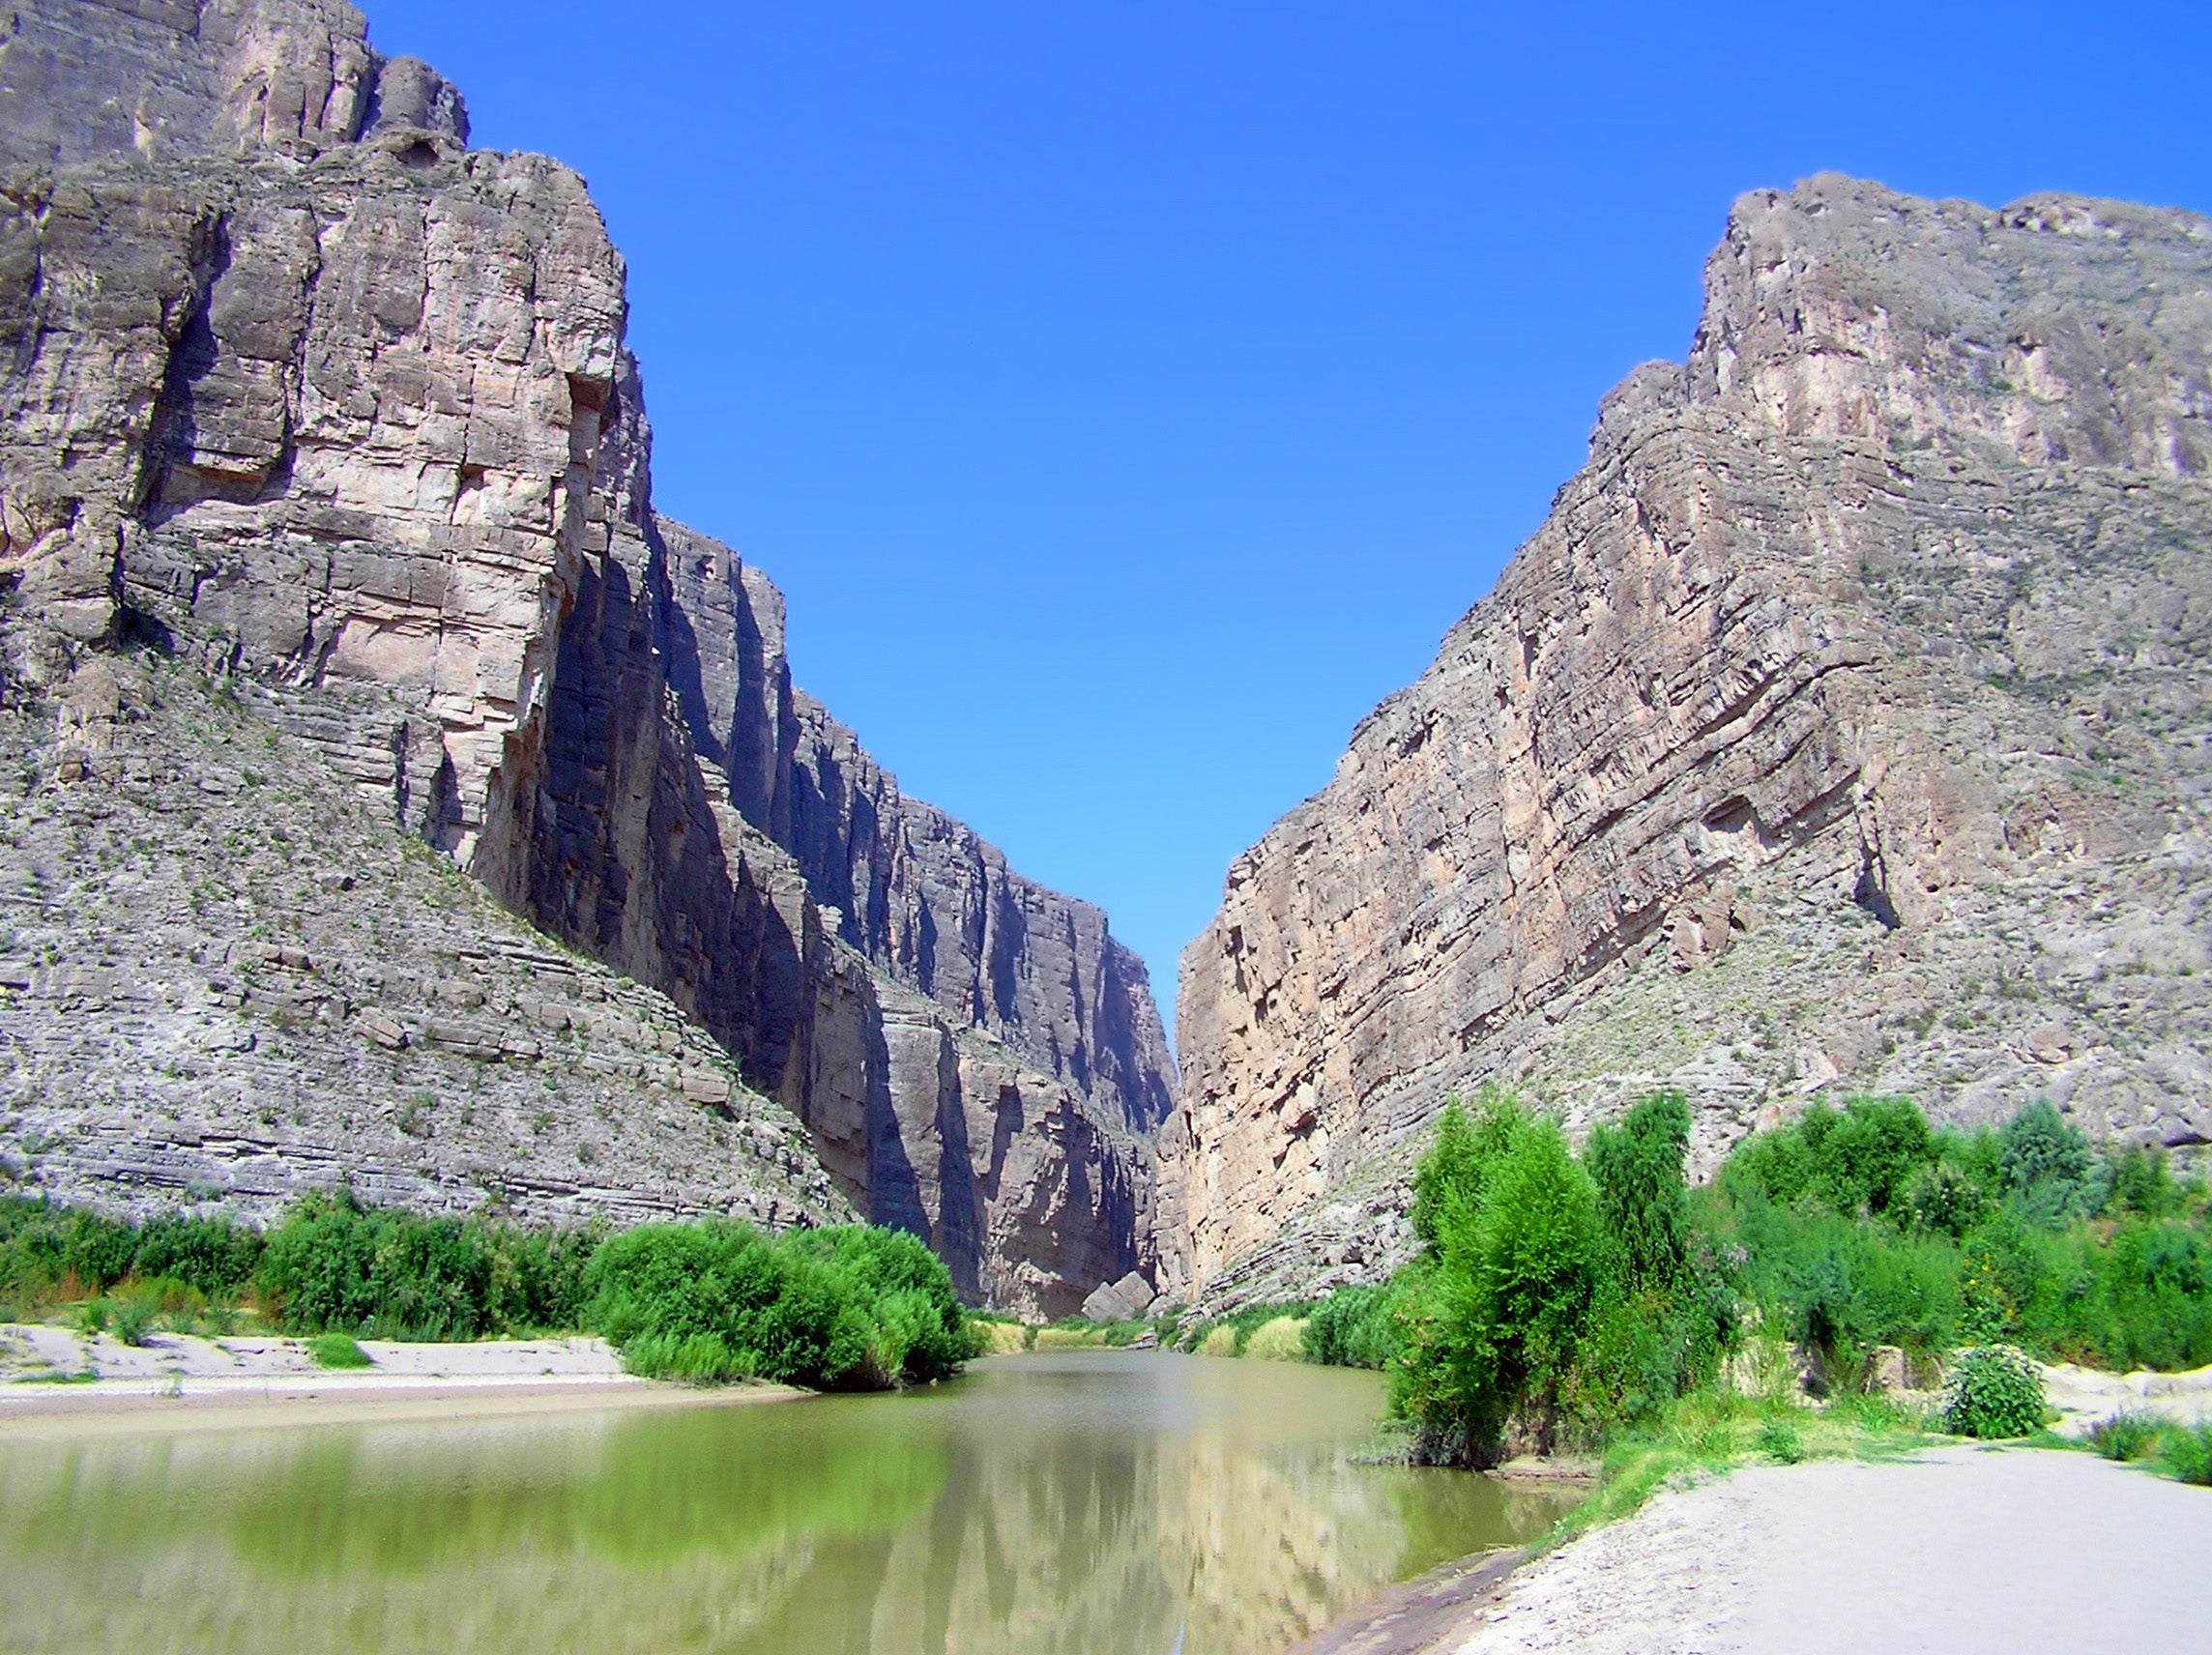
850	1307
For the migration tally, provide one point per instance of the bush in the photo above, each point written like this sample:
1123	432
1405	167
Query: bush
2047	1169
49	1252
1492	1311
1993	1392
2186	1453
1860	1160
2128	1435
337	1351
1280	1340
135	1320
848	1308
1353	1328
1643	1202
1778	1440
1843	1286
335	1263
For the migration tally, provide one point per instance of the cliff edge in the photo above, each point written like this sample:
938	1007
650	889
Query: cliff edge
1843	730
305	394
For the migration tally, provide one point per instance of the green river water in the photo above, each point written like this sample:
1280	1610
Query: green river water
1104	1503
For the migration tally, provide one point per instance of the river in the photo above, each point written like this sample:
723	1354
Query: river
1107	1502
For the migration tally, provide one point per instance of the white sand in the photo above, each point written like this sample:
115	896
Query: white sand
2015	1551
180	1382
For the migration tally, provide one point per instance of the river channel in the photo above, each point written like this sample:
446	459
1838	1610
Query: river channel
1104	1503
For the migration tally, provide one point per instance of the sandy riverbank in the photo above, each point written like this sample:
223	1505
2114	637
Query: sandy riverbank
1958	1549
178	1382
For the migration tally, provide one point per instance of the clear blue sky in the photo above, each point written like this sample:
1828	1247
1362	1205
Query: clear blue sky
1127	396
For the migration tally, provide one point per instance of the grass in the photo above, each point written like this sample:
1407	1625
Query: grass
338	1351
1281	1340
2183	1452
1711	1432
994	1337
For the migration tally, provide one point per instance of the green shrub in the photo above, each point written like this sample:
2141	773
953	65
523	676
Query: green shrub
847	1308
1643	1201
135	1320
49	1252
1859	1160
2186	1452
1778	1440
2129	1436
333	1263
1353	1328
337	1351
1493	1313
2047	1169
2142	1184
1993	1392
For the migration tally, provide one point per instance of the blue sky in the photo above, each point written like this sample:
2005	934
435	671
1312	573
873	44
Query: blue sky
1128	397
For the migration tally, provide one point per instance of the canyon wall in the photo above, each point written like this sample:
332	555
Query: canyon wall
1843	730
303	392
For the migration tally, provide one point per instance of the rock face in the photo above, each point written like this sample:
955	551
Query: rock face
1844	729
303	392
224	980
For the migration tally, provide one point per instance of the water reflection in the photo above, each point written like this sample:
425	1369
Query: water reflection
1058	1505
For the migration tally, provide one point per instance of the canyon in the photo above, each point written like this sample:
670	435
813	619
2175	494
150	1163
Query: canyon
1842	730
325	493
398	799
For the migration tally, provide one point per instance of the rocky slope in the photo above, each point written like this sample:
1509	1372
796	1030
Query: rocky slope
304	394
1844	729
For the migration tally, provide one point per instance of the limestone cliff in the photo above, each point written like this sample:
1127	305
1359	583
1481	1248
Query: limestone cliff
304	392
1843	728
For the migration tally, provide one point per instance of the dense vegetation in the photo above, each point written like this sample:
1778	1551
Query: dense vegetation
849	1308
1558	1298
854	1307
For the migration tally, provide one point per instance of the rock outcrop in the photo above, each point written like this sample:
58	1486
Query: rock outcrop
1844	729
304	392
225	980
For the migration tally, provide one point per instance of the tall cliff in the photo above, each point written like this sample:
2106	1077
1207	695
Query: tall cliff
1843	728
303	392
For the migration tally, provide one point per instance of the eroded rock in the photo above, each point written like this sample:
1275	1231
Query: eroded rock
1880	624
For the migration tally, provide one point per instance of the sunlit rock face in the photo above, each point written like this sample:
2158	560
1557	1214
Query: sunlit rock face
299	388
1843	729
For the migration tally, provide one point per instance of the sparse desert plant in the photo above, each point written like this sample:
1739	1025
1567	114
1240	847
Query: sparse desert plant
1993	1392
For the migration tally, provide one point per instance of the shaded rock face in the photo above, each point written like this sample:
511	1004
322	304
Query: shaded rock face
300	389
1844	729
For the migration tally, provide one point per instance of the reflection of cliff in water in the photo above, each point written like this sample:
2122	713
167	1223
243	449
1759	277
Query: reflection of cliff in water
1061	1506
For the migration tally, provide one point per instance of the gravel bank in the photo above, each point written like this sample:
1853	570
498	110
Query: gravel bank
2021	1551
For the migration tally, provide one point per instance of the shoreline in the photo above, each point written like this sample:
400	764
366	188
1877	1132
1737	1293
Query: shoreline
178	1382
77	1412
1831	1557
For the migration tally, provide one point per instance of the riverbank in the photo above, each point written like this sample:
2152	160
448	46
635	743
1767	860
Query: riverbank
1957	1548
56	1382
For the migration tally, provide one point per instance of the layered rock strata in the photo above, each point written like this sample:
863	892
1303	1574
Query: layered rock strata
304	392
225	980
1844	729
